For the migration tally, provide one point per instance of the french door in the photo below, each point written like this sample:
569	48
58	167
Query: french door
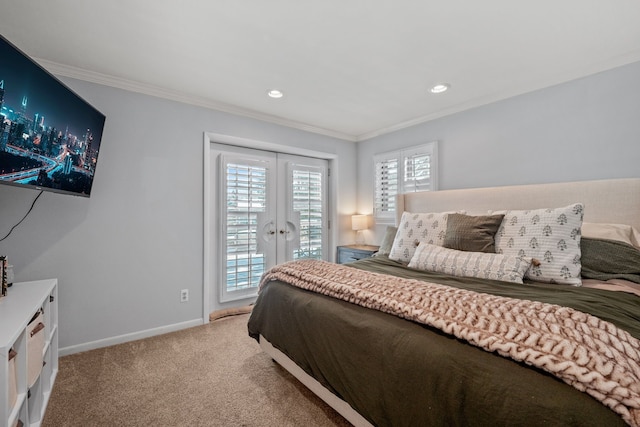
272	209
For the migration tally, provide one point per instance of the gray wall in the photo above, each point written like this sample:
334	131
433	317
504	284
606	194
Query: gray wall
581	130
123	255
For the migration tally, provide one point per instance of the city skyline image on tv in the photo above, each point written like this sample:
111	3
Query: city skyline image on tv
49	136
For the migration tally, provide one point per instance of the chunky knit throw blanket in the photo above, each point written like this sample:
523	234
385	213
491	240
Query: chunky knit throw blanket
584	351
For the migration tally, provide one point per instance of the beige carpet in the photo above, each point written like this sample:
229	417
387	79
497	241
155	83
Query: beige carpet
210	375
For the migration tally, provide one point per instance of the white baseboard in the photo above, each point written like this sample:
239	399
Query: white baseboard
120	339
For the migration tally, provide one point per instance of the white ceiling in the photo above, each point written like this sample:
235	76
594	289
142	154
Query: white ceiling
351	69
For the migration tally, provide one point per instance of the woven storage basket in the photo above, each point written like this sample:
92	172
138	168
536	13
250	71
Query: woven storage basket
13	379
35	348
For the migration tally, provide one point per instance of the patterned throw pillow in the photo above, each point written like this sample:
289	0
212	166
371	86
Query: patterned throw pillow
484	265
415	228
551	236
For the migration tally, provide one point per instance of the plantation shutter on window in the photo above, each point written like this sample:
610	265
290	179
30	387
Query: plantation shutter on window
417	173
386	185
404	171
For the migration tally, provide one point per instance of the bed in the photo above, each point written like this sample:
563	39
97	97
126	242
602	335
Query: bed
442	330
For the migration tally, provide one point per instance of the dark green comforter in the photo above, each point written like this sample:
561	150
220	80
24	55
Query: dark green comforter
398	373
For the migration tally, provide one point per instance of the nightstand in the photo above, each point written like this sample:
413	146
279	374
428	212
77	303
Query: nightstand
350	253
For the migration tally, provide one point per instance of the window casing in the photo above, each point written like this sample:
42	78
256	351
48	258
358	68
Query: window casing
402	171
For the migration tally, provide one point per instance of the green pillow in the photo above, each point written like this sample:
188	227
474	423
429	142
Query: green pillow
609	259
387	241
472	233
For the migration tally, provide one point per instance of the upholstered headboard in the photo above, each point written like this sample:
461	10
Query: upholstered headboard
605	201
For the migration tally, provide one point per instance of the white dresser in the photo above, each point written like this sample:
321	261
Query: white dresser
23	301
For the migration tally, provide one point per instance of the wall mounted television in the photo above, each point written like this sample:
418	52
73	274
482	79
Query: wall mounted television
49	136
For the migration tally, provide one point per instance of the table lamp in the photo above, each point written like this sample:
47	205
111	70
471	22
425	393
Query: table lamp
359	223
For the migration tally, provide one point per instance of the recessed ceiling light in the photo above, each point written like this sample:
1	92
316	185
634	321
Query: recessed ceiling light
440	87
275	93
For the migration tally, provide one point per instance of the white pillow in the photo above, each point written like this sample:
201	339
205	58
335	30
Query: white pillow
415	228
620	232
551	236
484	265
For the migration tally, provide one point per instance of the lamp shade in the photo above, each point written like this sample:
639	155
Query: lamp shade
359	222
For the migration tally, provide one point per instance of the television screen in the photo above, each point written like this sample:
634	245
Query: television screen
49	136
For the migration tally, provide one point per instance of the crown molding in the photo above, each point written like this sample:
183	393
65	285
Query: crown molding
160	92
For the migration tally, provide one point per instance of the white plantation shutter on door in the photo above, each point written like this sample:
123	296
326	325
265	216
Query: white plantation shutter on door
307	194
245	190
272	209
396	172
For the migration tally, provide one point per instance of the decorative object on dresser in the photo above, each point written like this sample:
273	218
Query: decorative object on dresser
29	361
359	223
350	253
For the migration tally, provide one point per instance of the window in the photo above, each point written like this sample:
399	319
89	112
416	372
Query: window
402	171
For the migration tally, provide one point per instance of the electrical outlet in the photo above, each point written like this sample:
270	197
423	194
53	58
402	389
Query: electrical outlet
184	295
